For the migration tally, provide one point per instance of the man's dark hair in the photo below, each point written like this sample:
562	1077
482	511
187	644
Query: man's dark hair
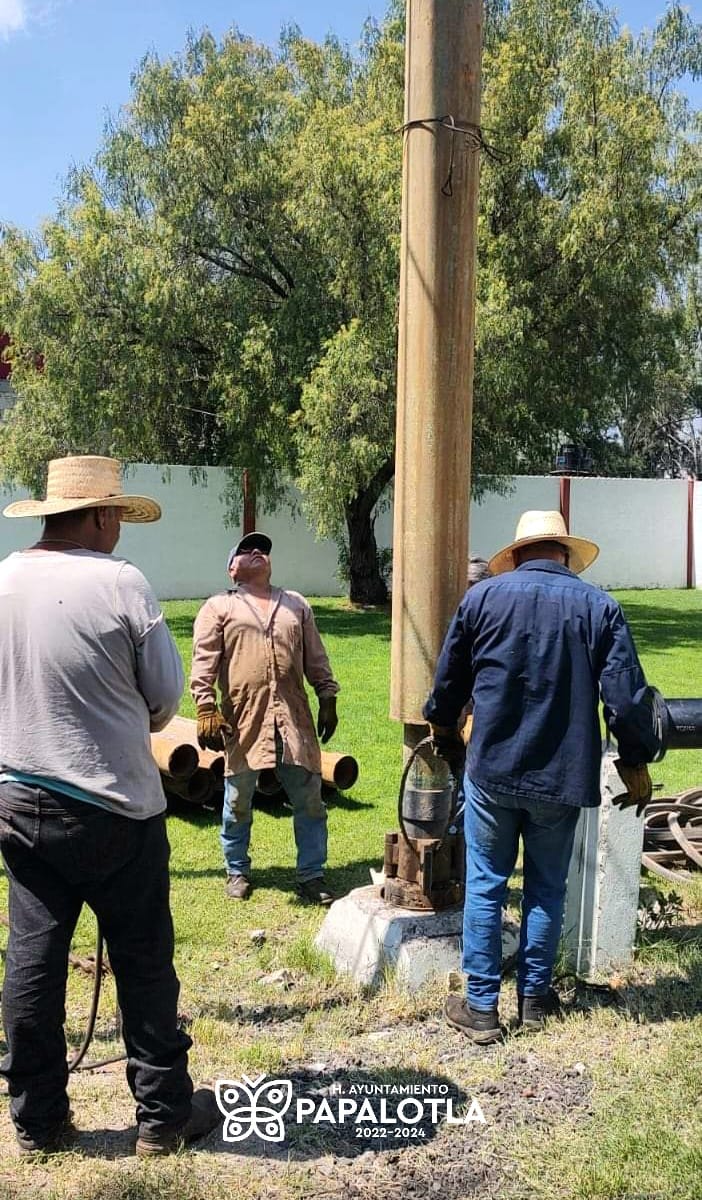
533	547
58	521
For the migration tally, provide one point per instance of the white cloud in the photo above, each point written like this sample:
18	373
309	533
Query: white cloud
13	16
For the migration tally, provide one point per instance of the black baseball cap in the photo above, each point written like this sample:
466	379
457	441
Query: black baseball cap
250	541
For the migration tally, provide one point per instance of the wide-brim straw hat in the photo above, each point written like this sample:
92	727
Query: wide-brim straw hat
86	481
538	525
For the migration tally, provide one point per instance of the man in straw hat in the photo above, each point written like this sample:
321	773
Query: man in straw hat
88	668
534	647
260	643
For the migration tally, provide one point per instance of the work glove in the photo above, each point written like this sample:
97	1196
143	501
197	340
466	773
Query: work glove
211	727
447	744
327	720
639	788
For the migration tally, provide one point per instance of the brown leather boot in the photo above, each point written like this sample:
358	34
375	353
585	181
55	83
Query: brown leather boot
535	1011
481	1026
238	887
204	1117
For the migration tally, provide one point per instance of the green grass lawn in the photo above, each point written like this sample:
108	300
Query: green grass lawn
667	626
633	1129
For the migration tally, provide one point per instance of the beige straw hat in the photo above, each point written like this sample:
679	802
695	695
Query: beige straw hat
85	481
540	526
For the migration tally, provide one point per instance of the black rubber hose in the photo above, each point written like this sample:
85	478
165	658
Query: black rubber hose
453	814
75	1062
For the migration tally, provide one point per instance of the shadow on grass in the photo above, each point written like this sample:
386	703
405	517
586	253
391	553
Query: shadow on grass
670	995
406	1122
279	806
353	623
340	880
194	814
658	628
276	806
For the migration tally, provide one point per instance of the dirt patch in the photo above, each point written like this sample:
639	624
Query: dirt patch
451	1161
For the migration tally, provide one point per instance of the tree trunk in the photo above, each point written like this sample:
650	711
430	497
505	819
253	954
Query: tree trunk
367	585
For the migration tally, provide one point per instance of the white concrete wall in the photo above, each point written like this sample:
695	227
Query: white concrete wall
493	519
640	525
697	525
184	555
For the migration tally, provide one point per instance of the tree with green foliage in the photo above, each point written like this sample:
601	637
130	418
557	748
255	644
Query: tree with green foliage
189	292
220	285
588	223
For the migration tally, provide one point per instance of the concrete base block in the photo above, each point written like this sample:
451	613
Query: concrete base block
603	883
365	936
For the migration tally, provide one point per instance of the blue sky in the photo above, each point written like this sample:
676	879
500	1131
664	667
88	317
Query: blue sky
64	64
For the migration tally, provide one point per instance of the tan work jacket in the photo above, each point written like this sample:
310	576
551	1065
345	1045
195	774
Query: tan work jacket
260	666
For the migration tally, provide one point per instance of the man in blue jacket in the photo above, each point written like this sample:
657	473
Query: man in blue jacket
534	647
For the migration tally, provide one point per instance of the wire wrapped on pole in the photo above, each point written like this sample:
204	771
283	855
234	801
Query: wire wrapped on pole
473	140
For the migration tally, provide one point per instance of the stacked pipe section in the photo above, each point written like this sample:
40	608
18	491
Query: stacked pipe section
192	774
197	776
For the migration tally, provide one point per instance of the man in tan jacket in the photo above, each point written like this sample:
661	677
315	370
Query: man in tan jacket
259	643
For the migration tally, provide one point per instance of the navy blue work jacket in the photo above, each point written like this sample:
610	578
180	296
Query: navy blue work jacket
534	648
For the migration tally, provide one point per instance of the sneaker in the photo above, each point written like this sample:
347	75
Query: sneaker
204	1117
57	1139
315	891
481	1026
534	1011
238	887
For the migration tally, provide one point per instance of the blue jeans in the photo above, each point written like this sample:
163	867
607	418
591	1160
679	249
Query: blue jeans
60	853
493	825
304	791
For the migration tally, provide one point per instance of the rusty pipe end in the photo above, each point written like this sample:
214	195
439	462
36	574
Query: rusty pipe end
339	769
183	761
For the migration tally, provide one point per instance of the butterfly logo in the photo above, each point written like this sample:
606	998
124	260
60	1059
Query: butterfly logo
253	1106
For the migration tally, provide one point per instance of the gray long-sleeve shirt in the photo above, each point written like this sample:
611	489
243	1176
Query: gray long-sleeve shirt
88	668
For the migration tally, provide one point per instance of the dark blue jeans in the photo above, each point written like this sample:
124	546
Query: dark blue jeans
494	824
60	853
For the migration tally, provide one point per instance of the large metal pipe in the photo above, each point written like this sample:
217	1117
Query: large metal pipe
198	789
177	759
436	337
339	770
681	725
268	783
182	731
